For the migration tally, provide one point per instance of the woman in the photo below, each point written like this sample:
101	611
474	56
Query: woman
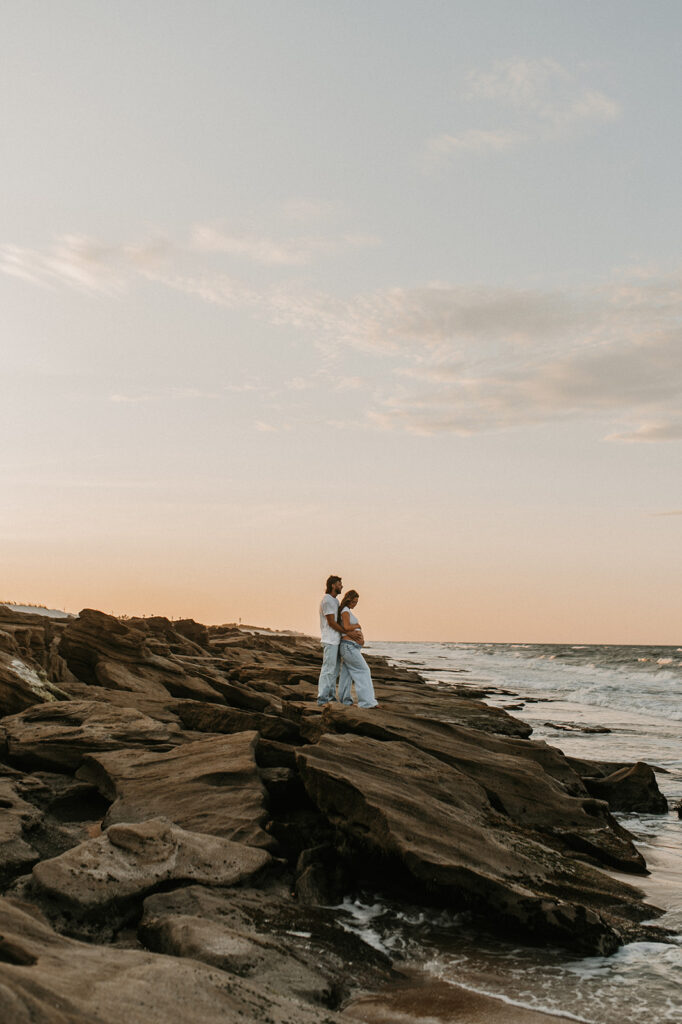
354	667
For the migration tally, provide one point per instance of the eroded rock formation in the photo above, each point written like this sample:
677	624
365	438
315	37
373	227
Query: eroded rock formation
178	819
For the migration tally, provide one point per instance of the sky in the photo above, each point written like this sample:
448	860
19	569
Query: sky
384	289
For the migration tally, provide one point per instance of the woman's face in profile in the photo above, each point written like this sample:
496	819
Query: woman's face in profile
353	603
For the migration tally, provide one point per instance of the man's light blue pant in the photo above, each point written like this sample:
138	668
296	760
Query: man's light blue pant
355	668
326	687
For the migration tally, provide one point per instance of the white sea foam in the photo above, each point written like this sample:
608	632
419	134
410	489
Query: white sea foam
528	1004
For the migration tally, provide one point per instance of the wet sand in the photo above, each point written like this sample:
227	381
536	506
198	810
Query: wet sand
423	1000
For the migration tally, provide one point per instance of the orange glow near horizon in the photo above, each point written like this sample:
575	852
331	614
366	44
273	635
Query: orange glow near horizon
546	606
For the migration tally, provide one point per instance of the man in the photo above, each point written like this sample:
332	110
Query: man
331	633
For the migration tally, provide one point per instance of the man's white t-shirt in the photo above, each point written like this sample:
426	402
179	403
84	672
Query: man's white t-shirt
329	606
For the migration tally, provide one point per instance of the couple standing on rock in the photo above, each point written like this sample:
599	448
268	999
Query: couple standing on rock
342	643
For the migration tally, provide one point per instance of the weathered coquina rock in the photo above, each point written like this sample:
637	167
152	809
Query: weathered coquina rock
265	937
59	734
101	881
632	788
211	785
178	759
17	819
46	978
23	683
531	783
414	812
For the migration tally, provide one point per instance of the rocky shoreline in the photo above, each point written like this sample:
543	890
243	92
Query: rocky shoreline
178	820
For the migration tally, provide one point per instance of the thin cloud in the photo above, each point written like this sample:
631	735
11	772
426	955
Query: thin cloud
161	395
448	358
475	140
543	89
85	264
241	388
472	360
206	238
350	384
652	432
287	252
476	360
539	100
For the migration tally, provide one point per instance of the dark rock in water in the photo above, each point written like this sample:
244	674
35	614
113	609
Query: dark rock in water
211	785
566	727
632	788
595	769
264	937
59	734
96	886
322	877
422	818
46	978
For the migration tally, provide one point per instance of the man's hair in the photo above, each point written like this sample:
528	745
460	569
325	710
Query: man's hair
331	580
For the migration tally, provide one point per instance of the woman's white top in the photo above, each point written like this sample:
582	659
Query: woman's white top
353	620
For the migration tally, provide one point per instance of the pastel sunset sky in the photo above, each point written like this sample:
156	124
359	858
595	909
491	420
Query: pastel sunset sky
390	289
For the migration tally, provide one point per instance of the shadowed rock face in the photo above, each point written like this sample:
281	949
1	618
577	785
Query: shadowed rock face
211	785
631	788
59	734
413	810
100	650
17	819
22	685
215	718
270	940
46	978
179	755
530	783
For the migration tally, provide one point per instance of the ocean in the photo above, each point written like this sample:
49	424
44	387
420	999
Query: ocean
563	691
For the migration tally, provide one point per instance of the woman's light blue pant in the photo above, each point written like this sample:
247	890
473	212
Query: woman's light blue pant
326	687
355	668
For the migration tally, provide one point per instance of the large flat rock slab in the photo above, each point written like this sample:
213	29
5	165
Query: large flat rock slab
101	881
59	734
205	717
211	785
46	978
532	783
430	820
441	703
